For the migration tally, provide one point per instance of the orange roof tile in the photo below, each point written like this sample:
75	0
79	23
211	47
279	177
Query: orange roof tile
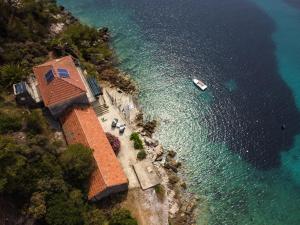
59	89
81	125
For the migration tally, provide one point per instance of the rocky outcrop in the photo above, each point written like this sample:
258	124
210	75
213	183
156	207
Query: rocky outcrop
117	79
150	142
149	128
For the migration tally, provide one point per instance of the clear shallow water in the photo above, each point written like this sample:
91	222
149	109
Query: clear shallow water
247	52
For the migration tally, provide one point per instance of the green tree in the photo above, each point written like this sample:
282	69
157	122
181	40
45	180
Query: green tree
94	217
22	168
37	208
122	217
36	168
77	163
10	74
63	209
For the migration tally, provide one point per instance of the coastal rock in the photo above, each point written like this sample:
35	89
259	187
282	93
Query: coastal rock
149	127
172	153
150	142
183	185
172	164
188	207
174	208
167	165
158	158
143	133
173	179
158	153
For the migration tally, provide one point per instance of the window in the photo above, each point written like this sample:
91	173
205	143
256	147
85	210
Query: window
49	76
63	73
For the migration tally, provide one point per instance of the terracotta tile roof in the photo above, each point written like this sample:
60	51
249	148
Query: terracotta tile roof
59	89
81	125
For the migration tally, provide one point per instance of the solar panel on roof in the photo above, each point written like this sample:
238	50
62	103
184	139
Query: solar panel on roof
63	73
96	89
49	76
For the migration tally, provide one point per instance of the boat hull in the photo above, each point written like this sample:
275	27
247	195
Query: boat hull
200	84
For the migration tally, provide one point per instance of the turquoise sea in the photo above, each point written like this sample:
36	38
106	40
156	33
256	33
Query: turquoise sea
239	140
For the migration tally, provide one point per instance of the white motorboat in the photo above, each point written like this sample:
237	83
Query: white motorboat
200	84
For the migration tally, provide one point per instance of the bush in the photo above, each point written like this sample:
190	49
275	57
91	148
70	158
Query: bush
77	163
141	154
137	142
122	217
9	123
114	142
160	191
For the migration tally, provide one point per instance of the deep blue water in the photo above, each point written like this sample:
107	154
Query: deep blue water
238	158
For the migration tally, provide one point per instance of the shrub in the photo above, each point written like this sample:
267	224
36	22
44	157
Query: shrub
134	136
9	123
141	154
114	142
137	142
122	217
160	191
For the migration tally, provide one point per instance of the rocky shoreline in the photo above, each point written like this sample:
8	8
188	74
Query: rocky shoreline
182	204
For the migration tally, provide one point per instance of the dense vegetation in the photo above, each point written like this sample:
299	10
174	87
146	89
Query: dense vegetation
34	173
25	39
47	180
24	27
